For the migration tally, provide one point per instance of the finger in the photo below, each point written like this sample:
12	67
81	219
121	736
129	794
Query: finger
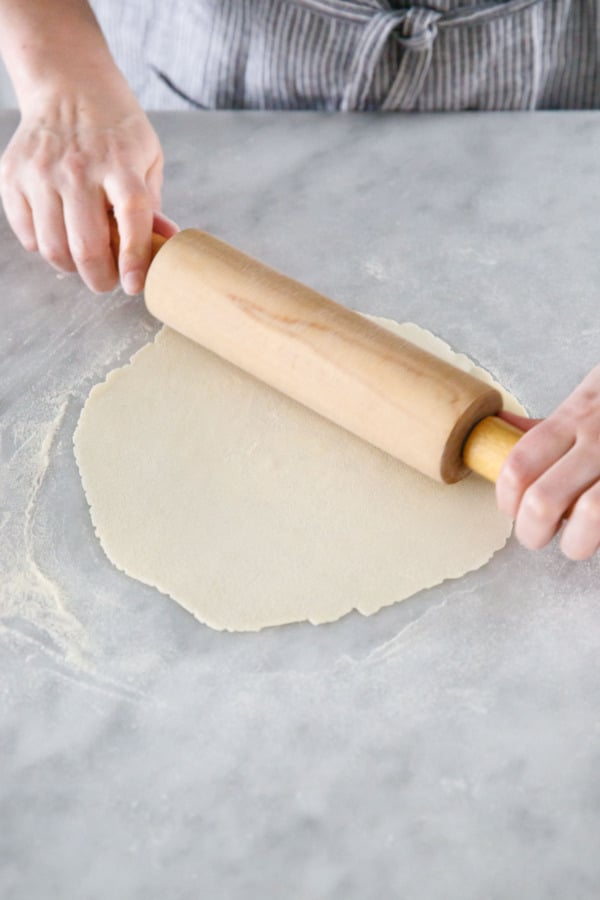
132	208
51	236
546	501
20	218
163	225
524	423
534	453
581	536
86	221
154	181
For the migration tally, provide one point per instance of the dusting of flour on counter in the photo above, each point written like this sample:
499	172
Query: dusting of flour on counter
31	600
48	605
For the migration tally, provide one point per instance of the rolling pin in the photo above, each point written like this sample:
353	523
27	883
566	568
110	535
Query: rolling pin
375	384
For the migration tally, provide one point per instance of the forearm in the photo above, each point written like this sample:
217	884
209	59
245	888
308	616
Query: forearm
53	41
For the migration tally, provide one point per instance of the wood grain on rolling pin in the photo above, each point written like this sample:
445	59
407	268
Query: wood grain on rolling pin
371	382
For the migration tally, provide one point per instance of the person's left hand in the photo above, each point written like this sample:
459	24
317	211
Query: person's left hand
554	470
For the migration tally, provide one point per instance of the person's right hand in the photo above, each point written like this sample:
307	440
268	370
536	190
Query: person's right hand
552	477
77	153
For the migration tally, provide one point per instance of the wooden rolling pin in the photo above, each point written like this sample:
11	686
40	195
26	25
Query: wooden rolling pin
373	383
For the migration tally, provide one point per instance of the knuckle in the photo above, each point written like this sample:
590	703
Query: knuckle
135	201
553	430
119	145
73	178
85	254
582	404
43	164
529	534
515	469
55	255
75	163
589	507
8	170
158	163
539	503
132	259
29	243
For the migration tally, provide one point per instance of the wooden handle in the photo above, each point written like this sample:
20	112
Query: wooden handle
488	446
380	387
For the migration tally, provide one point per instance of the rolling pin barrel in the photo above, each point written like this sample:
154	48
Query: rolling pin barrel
378	386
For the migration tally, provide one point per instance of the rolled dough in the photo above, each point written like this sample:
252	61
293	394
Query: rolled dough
249	510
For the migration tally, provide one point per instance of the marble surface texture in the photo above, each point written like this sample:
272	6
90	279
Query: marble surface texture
447	748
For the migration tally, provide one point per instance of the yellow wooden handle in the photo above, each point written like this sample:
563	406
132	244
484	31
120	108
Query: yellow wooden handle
488	446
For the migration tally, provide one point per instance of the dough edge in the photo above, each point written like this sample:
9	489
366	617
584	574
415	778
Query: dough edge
412	331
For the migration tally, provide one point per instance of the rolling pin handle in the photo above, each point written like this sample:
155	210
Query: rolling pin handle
488	445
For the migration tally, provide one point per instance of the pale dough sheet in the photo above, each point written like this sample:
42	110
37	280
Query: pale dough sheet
249	510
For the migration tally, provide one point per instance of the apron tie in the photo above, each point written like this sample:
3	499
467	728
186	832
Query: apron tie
414	28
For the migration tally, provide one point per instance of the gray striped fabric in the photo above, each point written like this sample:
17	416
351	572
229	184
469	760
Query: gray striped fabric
357	54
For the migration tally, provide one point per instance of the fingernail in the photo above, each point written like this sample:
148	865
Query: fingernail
132	283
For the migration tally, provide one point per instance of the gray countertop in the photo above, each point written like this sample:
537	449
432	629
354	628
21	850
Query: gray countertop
447	747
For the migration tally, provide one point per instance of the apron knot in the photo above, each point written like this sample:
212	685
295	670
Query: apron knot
415	29
418	28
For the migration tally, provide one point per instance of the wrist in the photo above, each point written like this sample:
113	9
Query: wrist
52	46
52	74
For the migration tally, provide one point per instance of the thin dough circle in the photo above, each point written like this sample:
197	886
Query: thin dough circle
249	510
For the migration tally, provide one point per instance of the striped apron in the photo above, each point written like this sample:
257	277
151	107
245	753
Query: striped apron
357	54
